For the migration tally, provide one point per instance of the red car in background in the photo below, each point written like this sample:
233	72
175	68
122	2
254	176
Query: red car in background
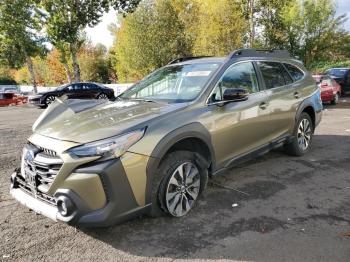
12	99
330	89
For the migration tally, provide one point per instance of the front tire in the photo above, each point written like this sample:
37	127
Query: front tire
302	136
180	180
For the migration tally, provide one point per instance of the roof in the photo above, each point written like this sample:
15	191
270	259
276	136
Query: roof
238	54
339	68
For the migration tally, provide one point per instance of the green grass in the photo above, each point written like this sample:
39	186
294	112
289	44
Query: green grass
320	67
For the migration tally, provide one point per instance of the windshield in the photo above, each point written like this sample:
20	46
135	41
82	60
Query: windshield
62	87
337	72
178	83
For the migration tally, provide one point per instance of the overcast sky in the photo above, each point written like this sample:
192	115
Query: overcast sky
101	34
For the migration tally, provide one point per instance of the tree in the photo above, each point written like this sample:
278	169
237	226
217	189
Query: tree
125	6
66	20
269	18
20	39
313	31
6	76
151	37
220	28
94	64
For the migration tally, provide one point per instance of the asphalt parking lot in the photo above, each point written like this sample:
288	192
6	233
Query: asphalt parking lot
291	209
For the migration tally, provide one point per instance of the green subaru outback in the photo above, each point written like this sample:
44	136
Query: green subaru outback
151	151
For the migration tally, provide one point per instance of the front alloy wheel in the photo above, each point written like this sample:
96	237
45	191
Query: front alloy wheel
182	189
178	183
301	139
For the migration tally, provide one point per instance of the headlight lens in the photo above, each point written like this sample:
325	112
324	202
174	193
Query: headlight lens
108	148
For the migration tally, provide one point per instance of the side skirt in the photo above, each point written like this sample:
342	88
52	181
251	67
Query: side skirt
253	153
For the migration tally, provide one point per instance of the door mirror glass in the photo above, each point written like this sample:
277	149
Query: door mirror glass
235	94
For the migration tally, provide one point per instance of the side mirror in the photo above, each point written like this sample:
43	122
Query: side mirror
235	95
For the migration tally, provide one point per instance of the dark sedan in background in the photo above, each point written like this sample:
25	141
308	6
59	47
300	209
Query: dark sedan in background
73	91
342	76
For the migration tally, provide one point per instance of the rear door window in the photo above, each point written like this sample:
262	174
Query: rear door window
295	72
274	74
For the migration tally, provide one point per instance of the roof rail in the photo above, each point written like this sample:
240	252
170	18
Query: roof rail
182	59
249	52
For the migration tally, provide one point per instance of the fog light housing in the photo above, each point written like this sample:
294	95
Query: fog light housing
65	206
14	183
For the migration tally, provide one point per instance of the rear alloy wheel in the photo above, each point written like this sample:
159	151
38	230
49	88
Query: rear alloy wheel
182	189
50	99
304	134
302	137
102	96
335	99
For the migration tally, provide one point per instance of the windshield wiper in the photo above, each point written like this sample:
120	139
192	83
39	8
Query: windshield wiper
143	100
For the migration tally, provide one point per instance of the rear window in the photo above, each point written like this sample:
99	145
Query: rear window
295	72
274	74
337	72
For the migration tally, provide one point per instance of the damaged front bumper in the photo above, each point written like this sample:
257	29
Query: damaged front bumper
73	205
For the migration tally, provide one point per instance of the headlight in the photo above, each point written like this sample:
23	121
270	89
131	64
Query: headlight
112	147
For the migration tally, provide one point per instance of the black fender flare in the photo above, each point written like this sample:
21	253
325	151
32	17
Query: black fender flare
192	130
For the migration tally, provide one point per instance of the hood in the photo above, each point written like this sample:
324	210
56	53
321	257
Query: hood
84	121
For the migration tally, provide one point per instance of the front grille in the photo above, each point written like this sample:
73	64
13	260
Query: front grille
40	167
48	152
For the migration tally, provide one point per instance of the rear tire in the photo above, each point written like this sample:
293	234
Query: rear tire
335	99
302	136
102	96
173	194
49	100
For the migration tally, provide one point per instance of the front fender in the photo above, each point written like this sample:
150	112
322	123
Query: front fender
193	130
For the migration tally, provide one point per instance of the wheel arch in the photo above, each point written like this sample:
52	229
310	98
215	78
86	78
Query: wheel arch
307	107
193	137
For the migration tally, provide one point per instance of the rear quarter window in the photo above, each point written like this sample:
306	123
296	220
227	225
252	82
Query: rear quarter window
295	72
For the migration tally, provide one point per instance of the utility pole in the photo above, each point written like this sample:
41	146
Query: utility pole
252	25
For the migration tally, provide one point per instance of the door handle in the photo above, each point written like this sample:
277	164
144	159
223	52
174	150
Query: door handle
296	94
263	105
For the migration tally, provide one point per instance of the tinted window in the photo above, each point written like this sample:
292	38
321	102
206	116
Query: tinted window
286	75
85	86
295	72
237	76
339	72
89	86
273	74
74	87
